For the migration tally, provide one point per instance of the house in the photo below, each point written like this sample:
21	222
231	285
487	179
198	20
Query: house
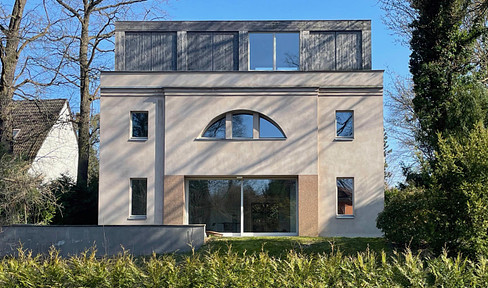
249	127
44	133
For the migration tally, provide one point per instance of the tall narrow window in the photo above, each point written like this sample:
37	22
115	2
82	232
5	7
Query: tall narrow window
242	126
345	193
139	127
344	124
138	197
274	51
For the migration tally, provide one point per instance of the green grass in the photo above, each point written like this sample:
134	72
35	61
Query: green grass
280	246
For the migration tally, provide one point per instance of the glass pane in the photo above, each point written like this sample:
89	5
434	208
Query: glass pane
345	124
216	130
242	126
261	51
345	189
216	203
269	205
268	129
139	124
139	196
287	51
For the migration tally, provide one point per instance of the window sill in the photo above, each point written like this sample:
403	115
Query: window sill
345	216
138	139
344	139
137	217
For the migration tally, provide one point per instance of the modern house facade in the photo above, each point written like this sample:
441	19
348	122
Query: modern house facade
249	127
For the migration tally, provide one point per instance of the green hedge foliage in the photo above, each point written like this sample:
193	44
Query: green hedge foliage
213	269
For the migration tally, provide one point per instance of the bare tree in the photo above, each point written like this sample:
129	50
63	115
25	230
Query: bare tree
20	29
88	37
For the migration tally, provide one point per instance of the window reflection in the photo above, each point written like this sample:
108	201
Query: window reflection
261	47
215	203
242	126
345	190
287	51
139	196
216	130
344	124
139	124
268	129
269	205
274	51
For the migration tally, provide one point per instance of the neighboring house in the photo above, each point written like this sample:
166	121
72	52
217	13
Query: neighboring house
44	133
250	127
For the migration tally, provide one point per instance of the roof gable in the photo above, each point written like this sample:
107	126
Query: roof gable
34	118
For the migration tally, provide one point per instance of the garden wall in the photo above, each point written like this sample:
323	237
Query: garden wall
108	239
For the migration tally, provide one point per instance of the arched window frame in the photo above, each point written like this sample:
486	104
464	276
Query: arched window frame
228	127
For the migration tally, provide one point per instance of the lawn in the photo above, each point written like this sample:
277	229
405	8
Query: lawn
280	246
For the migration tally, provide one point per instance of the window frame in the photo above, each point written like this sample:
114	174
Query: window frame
274	68
15	133
343	138
228	126
131	126
133	216
345	216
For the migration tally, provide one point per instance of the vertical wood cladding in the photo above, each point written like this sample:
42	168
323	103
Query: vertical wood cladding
213	51
150	51
334	51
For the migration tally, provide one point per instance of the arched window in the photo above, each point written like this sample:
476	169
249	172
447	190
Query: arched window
243	125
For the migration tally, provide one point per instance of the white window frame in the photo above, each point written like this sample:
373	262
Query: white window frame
274	50
345	216
132	138
131	216
15	133
343	138
242	178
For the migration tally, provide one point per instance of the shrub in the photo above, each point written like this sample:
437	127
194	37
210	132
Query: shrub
405	219
213	269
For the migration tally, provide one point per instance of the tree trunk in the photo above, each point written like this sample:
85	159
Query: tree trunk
9	58
84	116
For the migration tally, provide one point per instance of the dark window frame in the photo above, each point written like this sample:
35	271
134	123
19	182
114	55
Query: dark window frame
131	133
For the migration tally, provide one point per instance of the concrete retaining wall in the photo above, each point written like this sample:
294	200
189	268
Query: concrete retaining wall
108	240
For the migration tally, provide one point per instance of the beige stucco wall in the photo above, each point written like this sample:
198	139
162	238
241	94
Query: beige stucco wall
187	115
178	115
361	158
122	159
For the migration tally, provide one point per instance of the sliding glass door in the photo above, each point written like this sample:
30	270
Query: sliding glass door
243	206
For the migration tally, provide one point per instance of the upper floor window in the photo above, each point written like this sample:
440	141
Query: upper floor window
139	121
345	124
274	51
243	125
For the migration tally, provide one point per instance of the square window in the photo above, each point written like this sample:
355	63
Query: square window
345	193
138	197
139	127
274	51
344	124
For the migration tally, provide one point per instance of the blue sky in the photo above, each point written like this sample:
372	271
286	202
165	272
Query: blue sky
388	54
